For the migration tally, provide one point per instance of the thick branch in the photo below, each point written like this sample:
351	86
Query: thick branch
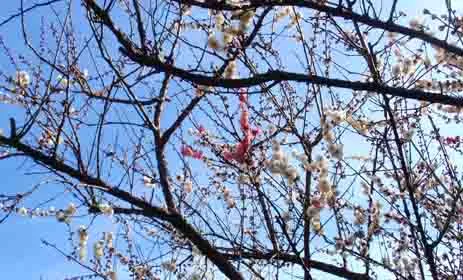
328	268
148	210
138	56
335	12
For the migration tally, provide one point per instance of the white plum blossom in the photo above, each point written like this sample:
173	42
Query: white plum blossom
324	186
359	216
170	266
148	182
83	238
22	79
98	249
336	150
23	211
213	43
63	81
279	164
188	186
106	209
71	210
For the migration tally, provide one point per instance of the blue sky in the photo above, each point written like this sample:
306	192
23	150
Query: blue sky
22	256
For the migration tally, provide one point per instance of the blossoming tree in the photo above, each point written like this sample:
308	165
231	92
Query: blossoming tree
275	139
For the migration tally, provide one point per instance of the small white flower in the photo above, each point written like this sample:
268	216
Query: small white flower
37	212
83	235
82	253
213	43
188	187
230	71
219	19
22	211
85	73
312	211
71	210
336	150
22	79
61	216
98	249
226	193
278	155
416	23
112	275
227	37
230	203
328	135
106	209
63	81
337	116
170	266
108	236
359	217
324	185
292	174
148	182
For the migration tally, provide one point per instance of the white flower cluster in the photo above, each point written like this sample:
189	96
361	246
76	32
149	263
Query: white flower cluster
359	215
141	271
449	59
98	249
188	186
49	139
148	182
22	79
170	266
245	19
444	87
279	164
229	32
112	275
230	70
375	218
98	246
228	198
23	211
333	117
109	238
64	216
63	81
417	24
360	125
313	212
284	12
37	212
83	238
106	209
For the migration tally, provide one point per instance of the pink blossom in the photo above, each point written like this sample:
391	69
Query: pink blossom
317	203
243	96
228	155
256	131
197	154
187	151
241	150
244	121
201	129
